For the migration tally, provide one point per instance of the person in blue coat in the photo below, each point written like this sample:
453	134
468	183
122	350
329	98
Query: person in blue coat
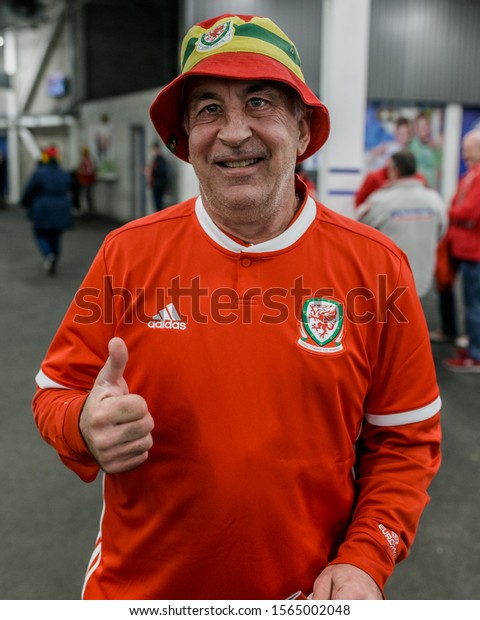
47	196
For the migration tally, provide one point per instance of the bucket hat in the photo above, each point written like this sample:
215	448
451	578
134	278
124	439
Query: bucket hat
49	153
244	47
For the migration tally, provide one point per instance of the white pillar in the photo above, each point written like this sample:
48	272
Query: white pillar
10	61
343	89
451	150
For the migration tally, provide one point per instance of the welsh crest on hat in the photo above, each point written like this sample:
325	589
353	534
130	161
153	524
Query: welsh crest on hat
244	47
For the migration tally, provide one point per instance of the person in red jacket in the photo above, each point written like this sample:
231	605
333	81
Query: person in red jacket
463	239
262	401
86	177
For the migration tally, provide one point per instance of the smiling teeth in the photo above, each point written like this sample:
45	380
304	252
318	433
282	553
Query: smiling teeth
240	164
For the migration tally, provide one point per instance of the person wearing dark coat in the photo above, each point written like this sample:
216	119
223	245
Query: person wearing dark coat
157	176
47	196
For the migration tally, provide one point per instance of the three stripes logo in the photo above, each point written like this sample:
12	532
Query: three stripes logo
168	318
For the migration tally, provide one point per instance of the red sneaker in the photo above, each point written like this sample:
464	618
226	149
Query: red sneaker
462	364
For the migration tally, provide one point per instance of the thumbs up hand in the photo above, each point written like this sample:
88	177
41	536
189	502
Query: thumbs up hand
116	425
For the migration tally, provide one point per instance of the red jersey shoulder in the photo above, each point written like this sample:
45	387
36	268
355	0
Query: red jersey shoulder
173	213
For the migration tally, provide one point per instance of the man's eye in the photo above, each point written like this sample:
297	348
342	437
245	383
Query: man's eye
211	108
257	102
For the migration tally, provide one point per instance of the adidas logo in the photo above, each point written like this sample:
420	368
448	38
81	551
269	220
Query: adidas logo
168	318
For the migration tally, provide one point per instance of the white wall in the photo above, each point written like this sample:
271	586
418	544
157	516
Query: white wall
113	192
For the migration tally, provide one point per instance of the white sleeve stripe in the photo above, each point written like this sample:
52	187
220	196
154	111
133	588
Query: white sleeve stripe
45	382
406	417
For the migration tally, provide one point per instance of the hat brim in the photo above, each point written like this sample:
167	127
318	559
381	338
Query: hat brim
167	110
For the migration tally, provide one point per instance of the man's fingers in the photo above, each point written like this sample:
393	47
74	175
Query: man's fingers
125	442
322	590
125	409
118	431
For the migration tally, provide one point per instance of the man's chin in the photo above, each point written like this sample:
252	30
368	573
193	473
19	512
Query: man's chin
237	198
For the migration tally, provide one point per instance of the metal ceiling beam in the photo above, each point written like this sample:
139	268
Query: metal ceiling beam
44	53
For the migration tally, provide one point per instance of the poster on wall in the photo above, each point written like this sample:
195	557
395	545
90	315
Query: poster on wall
390	128
101	147
470	121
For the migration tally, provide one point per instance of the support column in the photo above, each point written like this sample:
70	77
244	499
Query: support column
343	89
14	188
451	150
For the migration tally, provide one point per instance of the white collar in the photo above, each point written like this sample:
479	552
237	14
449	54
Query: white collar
287	238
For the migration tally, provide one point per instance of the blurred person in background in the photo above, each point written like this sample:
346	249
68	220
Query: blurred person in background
157	176
85	179
305	177
375	179
410	214
427	150
47	196
463	242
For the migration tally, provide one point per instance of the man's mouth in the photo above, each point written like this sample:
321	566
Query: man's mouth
239	164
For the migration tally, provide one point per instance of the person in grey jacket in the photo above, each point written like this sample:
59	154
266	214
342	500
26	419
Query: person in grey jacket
412	215
47	196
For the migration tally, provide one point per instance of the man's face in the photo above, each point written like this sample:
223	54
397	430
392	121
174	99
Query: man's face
392	171
423	128
244	139
403	135
471	150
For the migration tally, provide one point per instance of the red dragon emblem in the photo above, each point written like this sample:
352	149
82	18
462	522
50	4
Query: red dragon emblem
322	326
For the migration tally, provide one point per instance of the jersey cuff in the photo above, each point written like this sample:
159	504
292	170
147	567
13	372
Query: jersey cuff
405	417
44	382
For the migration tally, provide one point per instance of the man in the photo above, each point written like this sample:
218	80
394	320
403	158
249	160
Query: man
86	178
46	195
259	353
413	216
426	150
463	239
157	176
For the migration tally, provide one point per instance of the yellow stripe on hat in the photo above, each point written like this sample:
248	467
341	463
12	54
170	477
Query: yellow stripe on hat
233	34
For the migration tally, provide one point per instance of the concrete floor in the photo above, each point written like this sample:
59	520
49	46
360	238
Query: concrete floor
49	518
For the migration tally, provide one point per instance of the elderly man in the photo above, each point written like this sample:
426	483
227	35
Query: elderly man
463	238
267	419
412	215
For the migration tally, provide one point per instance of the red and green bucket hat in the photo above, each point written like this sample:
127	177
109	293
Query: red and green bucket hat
244	47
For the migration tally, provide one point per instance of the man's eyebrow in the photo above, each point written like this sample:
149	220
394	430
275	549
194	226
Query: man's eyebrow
260	87
203	95
209	94
256	87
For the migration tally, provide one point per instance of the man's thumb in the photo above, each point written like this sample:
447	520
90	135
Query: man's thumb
112	373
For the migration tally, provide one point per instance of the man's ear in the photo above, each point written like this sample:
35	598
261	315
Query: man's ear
185	127
304	134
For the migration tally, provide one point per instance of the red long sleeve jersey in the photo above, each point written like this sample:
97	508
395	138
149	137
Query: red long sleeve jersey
294	398
464	232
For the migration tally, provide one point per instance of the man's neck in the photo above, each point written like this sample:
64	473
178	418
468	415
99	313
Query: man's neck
256	229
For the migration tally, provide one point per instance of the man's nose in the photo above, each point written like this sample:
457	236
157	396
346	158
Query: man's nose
235	128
